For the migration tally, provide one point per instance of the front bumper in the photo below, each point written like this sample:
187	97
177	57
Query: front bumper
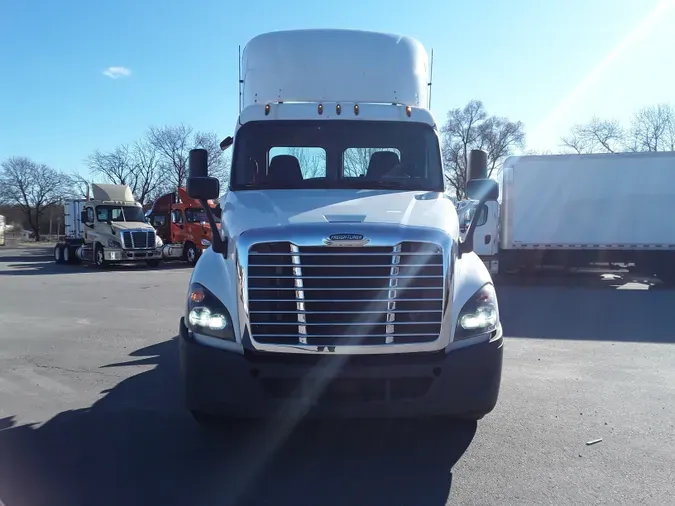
464	382
131	255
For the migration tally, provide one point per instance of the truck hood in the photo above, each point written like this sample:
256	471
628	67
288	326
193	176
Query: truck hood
128	225
245	210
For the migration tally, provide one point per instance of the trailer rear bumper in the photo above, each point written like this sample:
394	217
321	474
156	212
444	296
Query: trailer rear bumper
462	383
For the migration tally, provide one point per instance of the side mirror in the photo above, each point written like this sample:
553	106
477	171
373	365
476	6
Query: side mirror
476	189
204	188
226	143
83	216
199	185
477	165
483	190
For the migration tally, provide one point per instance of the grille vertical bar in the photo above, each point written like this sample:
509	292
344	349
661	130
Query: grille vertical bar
299	295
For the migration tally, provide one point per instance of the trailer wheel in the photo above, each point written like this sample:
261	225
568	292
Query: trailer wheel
99	257
58	253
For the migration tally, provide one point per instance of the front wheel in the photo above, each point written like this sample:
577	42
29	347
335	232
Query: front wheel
99	257
191	254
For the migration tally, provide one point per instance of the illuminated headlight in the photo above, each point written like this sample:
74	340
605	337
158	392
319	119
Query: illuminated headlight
206	242
113	244
158	241
480	314
207	315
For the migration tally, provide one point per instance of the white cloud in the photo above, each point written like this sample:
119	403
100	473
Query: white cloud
117	72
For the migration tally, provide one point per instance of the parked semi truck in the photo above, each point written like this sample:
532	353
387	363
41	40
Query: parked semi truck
576	210
335	287
107	226
182	224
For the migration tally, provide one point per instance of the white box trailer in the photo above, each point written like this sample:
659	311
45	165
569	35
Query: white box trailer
573	210
74	228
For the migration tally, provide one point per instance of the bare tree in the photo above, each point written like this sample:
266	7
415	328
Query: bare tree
218	161
79	185
653	129
116	167
471	128
33	188
173	144
137	166
147	174
596	136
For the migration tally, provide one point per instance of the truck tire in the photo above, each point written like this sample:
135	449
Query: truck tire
67	255
191	253
99	257
58	253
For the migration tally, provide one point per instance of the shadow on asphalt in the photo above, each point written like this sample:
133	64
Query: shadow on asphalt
38	261
137	446
598	307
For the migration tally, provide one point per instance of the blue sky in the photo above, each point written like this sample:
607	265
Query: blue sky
549	64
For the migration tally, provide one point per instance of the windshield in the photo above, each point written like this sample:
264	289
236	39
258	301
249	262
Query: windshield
198	216
337	154
119	213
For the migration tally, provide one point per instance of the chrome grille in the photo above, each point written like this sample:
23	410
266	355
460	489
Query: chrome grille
138	239
332	296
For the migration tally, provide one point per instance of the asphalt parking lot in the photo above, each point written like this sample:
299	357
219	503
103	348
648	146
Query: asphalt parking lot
91	412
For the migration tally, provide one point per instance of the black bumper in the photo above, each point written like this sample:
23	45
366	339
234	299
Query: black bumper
463	383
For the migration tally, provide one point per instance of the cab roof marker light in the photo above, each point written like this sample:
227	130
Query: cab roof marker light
338	109
320	108
408	110
267	109
356	109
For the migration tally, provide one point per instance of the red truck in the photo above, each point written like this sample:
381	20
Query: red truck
182	225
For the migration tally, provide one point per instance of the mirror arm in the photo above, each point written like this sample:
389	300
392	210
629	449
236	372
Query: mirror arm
217	243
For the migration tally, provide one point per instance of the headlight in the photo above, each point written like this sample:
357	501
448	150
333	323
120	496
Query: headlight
158	241
207	315
206	242
480	314
113	244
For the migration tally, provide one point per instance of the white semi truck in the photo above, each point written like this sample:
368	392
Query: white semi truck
108	226
338	287
576	210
